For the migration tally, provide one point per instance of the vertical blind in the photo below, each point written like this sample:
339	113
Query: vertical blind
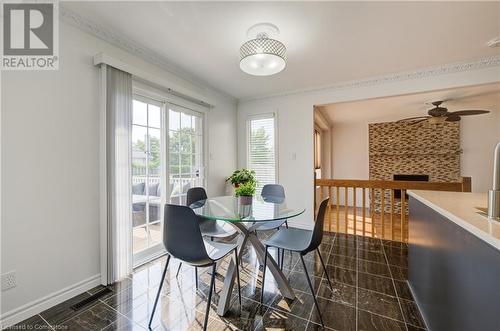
261	149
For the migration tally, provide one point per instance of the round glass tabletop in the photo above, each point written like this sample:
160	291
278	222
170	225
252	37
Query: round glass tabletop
244	209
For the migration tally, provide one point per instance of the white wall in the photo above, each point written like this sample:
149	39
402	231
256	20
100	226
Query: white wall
295	123
50	168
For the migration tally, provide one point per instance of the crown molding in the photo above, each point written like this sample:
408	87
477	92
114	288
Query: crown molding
482	63
112	37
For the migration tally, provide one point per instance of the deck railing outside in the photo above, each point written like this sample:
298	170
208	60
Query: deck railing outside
370	208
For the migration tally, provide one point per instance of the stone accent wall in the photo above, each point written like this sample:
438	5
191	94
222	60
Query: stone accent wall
413	149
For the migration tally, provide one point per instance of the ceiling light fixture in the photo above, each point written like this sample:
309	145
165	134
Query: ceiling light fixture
262	55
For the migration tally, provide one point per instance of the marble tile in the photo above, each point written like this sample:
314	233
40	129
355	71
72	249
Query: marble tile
174	314
403	290
397	260
342	293
376	283
396	250
351	261
370	244
33	323
279	320
248	318
312	262
414	328
374	268
301	306
95	318
380	304
63	311
127	301
342	275
127	284
399	273
411	313
347	250
298	281
342	261
394	244
371	256
335	315
123	324
371	322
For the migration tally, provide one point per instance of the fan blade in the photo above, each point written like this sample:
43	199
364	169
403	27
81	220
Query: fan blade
469	112
413	118
452	118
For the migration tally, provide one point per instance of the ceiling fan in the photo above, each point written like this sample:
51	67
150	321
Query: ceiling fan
440	114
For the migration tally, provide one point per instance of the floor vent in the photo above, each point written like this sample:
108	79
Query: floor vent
92	298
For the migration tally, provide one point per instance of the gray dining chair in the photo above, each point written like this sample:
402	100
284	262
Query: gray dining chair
209	228
274	193
302	242
183	240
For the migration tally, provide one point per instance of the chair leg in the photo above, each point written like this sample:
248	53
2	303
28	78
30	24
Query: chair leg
278	257
196	276
324	269
282	259
286	224
237	274
209	300
178	270
159	291
312	290
263	278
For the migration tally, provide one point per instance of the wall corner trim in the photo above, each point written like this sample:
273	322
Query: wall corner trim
112	37
434	71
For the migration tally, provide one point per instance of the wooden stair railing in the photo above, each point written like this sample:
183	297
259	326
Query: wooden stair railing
380	213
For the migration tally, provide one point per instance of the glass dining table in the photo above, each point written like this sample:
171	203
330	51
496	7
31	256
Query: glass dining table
247	215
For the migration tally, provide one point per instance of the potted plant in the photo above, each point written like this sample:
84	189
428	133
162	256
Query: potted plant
245	192
241	176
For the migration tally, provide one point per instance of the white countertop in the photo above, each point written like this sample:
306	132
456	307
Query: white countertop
461	208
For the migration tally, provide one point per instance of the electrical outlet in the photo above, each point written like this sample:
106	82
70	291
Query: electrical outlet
9	280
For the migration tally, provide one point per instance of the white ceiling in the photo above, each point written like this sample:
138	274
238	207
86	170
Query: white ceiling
392	108
327	42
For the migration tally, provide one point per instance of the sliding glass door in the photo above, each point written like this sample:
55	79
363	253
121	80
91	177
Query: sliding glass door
185	152
148	176
153	182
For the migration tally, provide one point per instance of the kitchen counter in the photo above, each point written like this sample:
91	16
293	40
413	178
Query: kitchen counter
462	209
454	261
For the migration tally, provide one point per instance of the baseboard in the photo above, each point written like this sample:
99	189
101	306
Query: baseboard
37	306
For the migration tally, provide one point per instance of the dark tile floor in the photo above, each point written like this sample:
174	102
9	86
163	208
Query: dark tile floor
368	276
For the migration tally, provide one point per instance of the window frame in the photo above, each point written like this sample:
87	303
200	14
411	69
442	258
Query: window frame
318	160
250	118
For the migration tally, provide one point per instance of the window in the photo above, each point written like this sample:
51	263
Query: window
186	152
147	173
262	149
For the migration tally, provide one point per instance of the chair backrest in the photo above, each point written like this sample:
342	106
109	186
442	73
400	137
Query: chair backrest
274	190
195	194
182	236
317	234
